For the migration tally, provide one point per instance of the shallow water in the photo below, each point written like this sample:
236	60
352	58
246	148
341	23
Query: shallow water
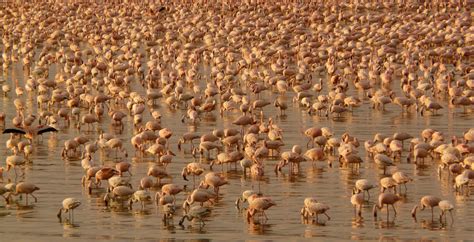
59	179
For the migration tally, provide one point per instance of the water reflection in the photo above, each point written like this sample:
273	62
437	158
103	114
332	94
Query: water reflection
18	177
341	119
291	178
357	222
385	224
69	225
24	211
95	192
197	228
319	222
258	228
403	118
390	238
403	198
362	123
168	223
71	230
119	209
432	224
141	213
310	232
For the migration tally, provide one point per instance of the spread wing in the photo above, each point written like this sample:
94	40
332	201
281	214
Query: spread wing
14	131
47	129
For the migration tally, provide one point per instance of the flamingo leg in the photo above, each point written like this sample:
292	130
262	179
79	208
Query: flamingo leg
258	185
432	214
329	218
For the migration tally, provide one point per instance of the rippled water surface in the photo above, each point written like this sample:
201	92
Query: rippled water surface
59	179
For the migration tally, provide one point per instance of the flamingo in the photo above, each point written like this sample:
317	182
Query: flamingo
119	194
199	195
26	188
141	196
245	195
258	204
313	208
426	201
214	180
386	199
193	168
357	200
30	132
68	206
195	212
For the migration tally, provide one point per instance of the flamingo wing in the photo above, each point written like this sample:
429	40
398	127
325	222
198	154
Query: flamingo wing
13	130
47	129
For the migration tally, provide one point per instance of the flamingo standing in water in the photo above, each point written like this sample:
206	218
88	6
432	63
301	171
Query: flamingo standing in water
68	206
313	208
193	168
357	200
214	180
427	201
386	199
26	188
258	204
244	198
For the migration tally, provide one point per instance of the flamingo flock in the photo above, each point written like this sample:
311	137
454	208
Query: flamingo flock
196	88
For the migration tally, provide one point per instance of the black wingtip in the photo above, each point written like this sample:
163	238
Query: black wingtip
13	130
47	129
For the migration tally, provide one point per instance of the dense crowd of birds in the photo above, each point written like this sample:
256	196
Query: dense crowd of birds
203	58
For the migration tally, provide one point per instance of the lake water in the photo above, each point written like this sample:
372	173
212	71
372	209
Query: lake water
59	179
